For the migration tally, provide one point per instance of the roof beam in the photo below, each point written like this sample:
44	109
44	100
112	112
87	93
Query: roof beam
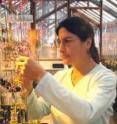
48	14
86	17
114	4
108	10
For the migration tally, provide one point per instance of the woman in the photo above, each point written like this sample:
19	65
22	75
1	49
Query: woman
83	94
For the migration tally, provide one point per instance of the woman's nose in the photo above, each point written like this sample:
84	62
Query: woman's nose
61	46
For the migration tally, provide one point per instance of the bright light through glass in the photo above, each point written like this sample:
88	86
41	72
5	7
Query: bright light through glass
115	1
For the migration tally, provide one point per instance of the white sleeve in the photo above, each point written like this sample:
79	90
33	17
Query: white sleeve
71	104
37	107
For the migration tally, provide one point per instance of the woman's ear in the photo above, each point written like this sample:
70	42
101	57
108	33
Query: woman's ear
88	43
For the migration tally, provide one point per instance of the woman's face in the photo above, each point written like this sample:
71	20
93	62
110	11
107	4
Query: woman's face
72	50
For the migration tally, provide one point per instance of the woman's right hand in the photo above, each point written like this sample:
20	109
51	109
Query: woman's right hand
30	70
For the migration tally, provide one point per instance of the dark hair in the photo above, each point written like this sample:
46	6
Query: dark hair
83	30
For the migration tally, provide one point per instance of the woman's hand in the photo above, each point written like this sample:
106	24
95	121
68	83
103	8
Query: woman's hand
30	70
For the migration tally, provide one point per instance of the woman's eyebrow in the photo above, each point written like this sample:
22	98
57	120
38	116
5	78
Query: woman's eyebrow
69	37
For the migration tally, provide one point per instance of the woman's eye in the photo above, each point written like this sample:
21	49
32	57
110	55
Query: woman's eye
67	41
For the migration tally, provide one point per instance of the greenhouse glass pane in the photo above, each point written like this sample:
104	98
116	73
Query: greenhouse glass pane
115	1
111	6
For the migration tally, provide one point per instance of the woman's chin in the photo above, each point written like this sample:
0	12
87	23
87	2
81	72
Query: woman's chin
66	62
